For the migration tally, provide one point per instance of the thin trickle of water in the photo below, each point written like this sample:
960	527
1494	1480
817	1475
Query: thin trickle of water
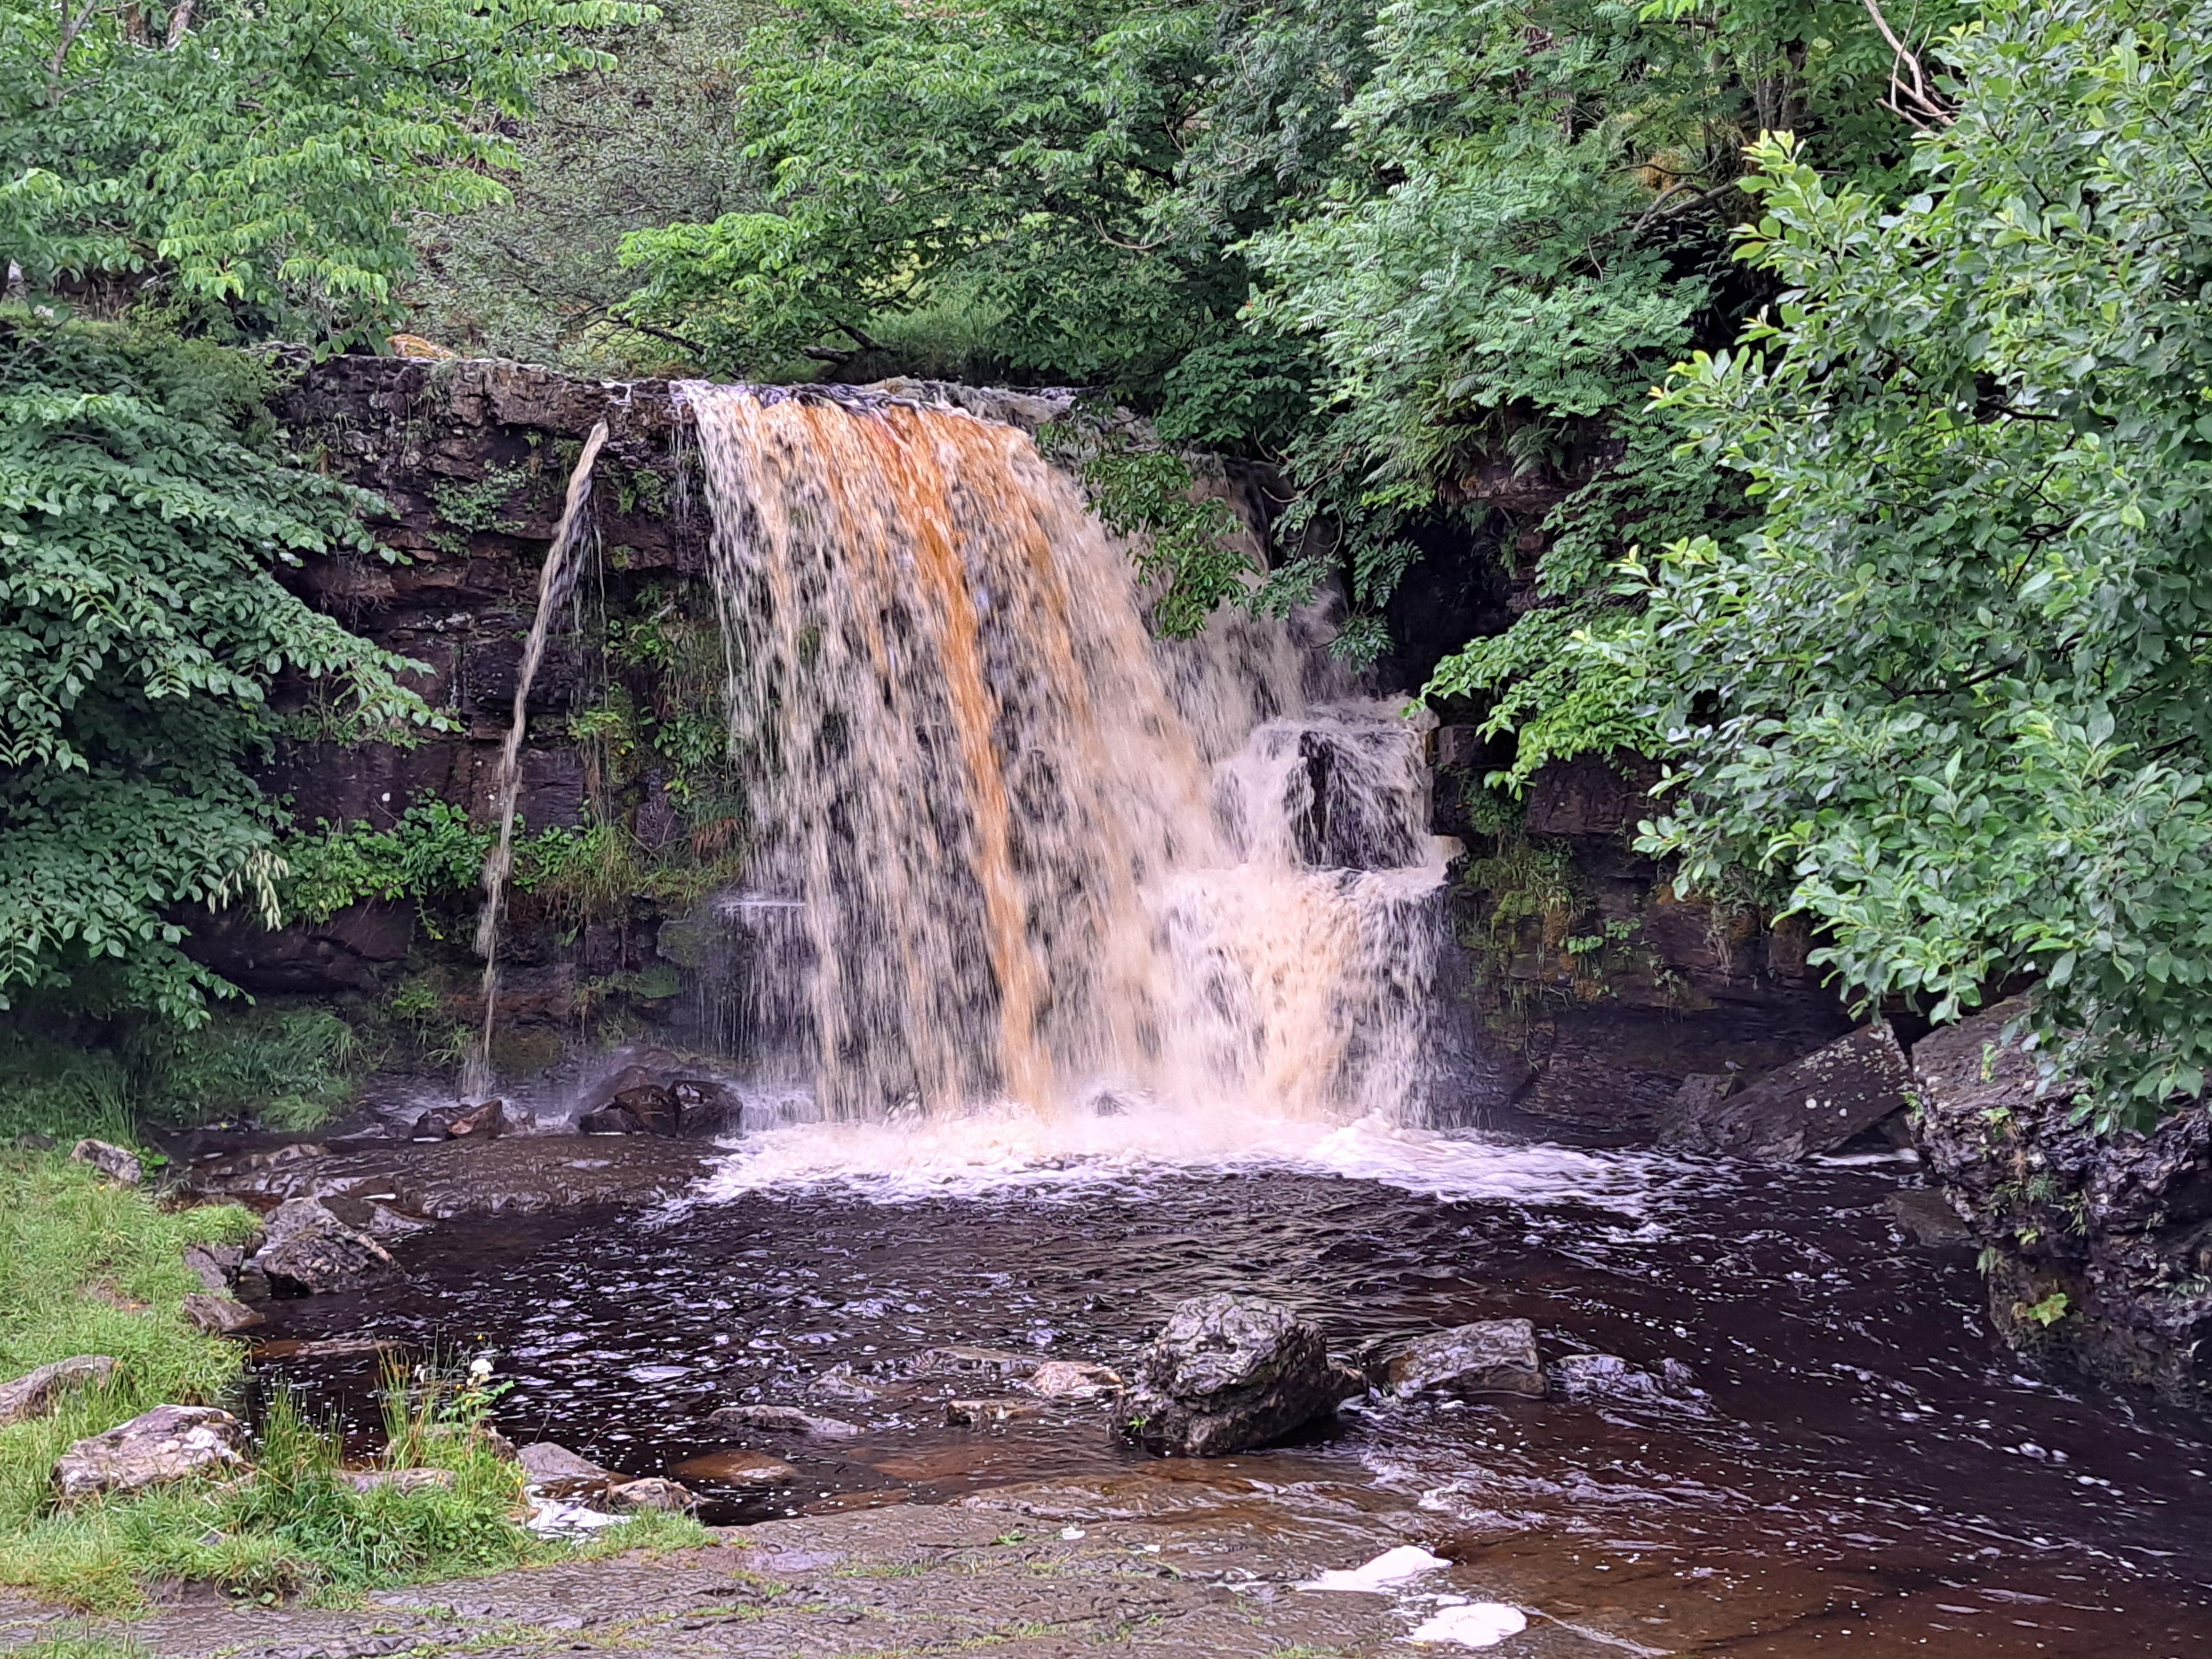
556	577
1032	853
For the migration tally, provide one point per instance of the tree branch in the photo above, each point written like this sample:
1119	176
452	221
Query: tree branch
179	21
71	28
1910	97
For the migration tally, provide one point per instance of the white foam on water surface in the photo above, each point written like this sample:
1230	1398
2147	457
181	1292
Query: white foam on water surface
1014	1151
1386	1572
1471	1624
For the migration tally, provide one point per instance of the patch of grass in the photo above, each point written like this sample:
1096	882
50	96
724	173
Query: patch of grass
291	1068
82	1642
63	1093
90	1268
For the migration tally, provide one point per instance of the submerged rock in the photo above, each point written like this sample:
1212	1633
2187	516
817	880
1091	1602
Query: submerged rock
653	1493
168	1443
1492	1356
118	1164
36	1393
737	1467
1072	1380
980	1413
787	1420
310	1251
1608	1377
1812	1106
1228	1373
1005	1364
610	1120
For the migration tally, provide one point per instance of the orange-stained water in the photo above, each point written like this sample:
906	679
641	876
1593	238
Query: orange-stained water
1025	852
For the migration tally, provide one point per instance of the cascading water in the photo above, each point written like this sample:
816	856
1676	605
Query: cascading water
556	578
1010	848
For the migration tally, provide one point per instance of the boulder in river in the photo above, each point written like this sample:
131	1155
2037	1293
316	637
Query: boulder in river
310	1250
479	1122
118	1164
168	1443
1608	1377
1490	1356
36	1393
2096	1249
1002	1365
1227	1372
983	1413
1811	1106
783	1419
705	1109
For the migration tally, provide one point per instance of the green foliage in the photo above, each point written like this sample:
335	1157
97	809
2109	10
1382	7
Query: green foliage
261	161
431	853
1186	544
143	515
1954	690
612	148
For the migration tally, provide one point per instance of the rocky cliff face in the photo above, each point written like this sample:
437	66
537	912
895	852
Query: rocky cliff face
2096	1249
1606	991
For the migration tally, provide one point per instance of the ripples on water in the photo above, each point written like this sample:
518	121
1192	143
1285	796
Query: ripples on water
1862	1429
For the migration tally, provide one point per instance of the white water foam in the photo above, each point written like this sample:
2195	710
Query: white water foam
1011	1151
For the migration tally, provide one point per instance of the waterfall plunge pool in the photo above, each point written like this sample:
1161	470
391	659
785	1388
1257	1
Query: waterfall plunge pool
1869	1470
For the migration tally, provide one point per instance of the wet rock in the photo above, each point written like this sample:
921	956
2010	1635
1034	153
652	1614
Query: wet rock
610	1120
168	1443
653	1104
738	1469
218	1314
310	1251
1072	1380
36	1393
479	1122
215	1265
1608	1377
1812	1106
1492	1356
399	1481
841	1381
783	1419
981	1413
1228	1373
2096	1249
433	1126
1926	1217
1004	1364
118	1164
705	1109
546	1464
651	1493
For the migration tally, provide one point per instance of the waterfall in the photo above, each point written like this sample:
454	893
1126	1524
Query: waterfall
1006	846
556	577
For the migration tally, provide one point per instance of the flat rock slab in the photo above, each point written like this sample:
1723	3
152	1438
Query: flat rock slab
512	1174
782	1419
1811	1106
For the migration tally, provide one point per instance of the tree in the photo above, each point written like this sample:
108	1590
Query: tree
243	171
253	164
1953	693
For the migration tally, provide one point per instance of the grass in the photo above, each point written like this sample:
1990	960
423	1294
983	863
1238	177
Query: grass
88	1268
